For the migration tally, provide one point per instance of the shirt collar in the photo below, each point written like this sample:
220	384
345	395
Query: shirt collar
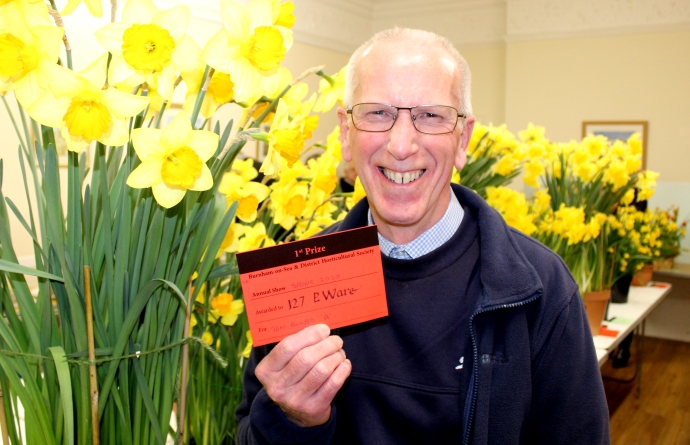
432	239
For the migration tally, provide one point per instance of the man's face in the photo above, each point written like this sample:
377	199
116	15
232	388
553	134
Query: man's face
404	76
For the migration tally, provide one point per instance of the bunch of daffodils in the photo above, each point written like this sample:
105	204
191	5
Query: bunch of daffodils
135	306
587	181
634	241
671	231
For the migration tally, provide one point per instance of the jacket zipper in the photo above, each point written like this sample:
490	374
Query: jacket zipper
475	365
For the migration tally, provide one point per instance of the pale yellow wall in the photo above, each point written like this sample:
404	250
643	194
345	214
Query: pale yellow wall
488	66
560	83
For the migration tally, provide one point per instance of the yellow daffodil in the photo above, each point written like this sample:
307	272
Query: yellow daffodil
220	91
249	46
230	242
26	53
94	6
245	169
247	194
288	202
83	109
533	170
150	45
254	237
285	141
283	13
357	195
173	160
532	133
248	348
226	308
207	337
330	93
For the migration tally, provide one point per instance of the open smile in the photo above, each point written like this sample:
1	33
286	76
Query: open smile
402	177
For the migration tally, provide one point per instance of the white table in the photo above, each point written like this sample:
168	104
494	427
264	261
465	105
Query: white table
626	317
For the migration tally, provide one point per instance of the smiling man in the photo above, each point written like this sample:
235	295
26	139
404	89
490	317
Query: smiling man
486	341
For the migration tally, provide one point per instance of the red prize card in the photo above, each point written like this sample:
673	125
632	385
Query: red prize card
334	279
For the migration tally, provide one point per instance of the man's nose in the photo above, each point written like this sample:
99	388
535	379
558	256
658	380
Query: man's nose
403	136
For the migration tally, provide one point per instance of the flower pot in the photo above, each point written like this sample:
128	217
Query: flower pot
595	306
644	276
619	290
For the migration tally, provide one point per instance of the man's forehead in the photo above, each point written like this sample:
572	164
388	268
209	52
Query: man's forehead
408	53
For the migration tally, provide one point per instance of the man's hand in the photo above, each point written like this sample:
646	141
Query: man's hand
303	373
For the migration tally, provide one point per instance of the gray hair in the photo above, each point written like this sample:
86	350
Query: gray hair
417	36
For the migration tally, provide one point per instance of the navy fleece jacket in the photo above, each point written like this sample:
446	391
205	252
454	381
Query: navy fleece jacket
529	375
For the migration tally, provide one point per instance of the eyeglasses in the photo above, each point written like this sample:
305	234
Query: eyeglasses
428	119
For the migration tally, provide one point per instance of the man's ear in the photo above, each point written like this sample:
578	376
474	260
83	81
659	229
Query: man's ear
461	154
344	134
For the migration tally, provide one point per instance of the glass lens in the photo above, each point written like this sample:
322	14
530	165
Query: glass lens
374	117
435	119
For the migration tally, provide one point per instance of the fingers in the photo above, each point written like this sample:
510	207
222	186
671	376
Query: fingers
285	351
304	372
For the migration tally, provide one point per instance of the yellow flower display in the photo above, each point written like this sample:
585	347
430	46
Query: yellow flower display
150	45
85	108
514	208
285	141
173	160
249	46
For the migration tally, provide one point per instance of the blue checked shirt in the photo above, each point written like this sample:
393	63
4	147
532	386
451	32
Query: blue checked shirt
433	238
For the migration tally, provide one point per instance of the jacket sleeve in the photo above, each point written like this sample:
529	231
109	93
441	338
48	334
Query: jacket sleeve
262	422
569	404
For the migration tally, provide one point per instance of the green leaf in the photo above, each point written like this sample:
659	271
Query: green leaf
63	373
11	267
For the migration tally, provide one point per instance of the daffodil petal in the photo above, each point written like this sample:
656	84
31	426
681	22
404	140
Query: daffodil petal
95	7
49	111
204	181
111	37
178	133
287	37
138	11
69	7
174	20
51	39
217	53
123	105
257	189
167	197
261	13
147	174
120	72
246	79
30	91
146	142
204	143
187	55
118	133
236	19
165	82
95	73
228	320
75	144
63	81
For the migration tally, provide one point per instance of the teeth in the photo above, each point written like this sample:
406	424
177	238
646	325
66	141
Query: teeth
402	178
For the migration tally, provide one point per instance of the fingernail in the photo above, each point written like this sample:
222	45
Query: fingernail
324	330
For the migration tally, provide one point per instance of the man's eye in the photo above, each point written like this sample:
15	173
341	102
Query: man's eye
379	114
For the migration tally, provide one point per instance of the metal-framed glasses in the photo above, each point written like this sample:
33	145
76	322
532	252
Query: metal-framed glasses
428	119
